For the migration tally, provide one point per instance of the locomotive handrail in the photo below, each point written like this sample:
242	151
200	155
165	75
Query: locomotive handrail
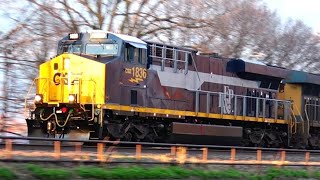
195	66
291	126
29	92
181	50
306	112
214	92
174	58
231	108
27	95
92	99
179	60
302	123
295	122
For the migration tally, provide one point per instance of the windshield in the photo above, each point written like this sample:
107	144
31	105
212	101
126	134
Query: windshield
103	49
70	48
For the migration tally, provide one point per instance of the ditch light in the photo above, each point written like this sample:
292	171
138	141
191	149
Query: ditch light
72	98
38	99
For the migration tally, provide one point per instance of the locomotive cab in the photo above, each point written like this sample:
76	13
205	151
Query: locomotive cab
103	47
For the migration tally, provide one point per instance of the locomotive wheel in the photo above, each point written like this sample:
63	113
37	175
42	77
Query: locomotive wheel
245	142
127	136
150	138
263	143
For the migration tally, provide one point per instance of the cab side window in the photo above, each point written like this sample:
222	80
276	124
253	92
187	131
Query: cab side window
143	56
129	53
135	55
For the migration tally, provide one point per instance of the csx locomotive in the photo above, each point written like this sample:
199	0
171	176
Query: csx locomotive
103	84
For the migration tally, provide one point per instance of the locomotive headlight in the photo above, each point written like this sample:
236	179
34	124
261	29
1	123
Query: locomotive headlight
66	63
38	98
72	98
74	36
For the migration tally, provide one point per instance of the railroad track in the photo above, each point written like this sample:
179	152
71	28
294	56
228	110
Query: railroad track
130	152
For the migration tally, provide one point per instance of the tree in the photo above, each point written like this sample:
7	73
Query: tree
295	46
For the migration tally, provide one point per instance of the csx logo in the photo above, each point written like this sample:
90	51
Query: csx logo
58	77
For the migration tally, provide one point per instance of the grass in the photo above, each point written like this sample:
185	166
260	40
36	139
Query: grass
6	174
274	173
175	172
134	172
48	173
156	172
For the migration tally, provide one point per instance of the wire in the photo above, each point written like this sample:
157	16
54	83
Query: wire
12	133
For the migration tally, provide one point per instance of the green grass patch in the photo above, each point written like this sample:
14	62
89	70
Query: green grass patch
157	172
116	173
172	172
316	174
284	172
134	172
6	174
229	173
48	173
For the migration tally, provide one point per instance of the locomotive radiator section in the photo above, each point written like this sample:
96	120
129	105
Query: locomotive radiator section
206	134
67	91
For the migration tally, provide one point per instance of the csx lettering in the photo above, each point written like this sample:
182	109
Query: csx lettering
58	76
128	71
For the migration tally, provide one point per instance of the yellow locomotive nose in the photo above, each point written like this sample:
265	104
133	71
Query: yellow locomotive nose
68	90
70	78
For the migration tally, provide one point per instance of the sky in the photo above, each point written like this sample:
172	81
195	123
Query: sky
306	10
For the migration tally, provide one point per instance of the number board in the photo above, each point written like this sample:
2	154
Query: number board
138	74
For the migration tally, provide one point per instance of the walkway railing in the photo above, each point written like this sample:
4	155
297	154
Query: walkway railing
61	150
